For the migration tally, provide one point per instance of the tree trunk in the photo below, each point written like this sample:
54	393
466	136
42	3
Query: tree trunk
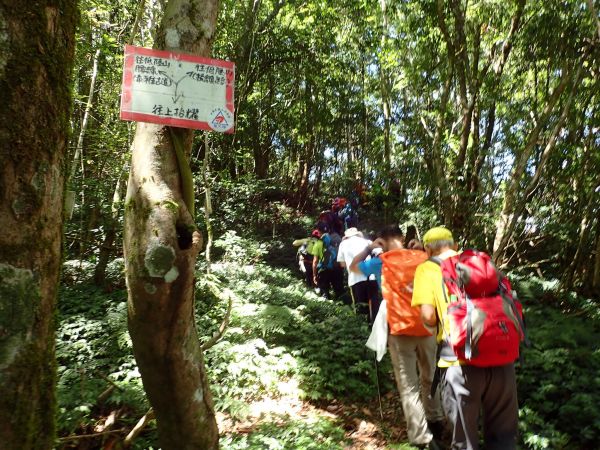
434	155
36	58
510	196
596	276
261	160
86	117
384	81
568	277
508	217
207	201
107	246
161	243
308	149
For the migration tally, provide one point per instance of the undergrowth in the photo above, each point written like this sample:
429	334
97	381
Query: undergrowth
559	380
283	340
312	434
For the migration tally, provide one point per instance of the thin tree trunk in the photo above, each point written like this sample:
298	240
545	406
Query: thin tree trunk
307	152
510	197
37	42
161	244
136	23
86	117
70	194
584	231
385	90
594	15
107	246
207	201
435	154
596	276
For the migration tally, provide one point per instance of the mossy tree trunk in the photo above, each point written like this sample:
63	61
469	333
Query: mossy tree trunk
161	244
36	59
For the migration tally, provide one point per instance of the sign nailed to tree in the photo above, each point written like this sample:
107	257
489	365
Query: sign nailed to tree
177	89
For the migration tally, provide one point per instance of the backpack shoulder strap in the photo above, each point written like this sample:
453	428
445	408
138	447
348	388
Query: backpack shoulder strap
435	259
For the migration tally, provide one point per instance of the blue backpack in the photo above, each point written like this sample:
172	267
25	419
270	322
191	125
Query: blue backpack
349	216
330	252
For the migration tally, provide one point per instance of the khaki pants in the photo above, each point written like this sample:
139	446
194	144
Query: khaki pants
413	359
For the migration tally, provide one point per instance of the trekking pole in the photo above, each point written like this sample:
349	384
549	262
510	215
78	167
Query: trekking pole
352	297
372	319
378	389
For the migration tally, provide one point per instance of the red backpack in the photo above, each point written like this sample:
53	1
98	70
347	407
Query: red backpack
485	318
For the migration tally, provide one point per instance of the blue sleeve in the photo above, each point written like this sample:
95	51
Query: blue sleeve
371	267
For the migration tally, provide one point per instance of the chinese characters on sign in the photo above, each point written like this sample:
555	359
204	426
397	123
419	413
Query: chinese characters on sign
177	89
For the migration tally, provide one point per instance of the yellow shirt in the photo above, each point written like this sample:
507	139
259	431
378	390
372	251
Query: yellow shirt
427	290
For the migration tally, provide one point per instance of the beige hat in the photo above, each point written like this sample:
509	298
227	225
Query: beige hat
352	232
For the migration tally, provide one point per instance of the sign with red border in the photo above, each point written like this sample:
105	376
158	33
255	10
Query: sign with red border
177	89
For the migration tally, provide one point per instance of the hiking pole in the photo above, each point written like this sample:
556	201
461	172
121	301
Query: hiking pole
352	297
378	389
372	319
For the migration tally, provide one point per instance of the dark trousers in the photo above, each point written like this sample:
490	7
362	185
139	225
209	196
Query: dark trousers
331	278
308	274
366	293
469	390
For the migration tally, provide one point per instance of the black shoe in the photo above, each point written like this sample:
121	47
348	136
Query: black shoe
437	429
433	445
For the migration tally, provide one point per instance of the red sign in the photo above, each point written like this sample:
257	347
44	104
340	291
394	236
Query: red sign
177	89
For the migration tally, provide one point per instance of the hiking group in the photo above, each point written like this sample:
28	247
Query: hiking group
450	320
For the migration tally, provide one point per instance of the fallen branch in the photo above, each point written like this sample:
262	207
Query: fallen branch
139	427
89	436
219	334
104	377
105	394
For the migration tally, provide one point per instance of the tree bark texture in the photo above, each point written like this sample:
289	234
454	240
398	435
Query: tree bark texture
161	244
36	59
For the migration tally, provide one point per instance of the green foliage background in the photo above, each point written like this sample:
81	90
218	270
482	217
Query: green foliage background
280	332
311	81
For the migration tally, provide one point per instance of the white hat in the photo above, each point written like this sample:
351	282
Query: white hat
352	232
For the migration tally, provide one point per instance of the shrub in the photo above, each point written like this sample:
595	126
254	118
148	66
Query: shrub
558	382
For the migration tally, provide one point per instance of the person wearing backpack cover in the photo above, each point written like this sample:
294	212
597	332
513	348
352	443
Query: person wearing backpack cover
327	273
412	347
469	385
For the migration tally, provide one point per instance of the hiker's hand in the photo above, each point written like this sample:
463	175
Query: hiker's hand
415	244
377	243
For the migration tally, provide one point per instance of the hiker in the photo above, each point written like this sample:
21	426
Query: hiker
327	273
465	388
364	291
348	216
412	347
305	255
415	244
330	221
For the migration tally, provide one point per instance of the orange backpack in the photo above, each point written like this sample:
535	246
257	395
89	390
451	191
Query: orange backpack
398	273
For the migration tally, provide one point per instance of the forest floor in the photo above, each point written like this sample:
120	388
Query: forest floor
292	370
362	424
275	386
